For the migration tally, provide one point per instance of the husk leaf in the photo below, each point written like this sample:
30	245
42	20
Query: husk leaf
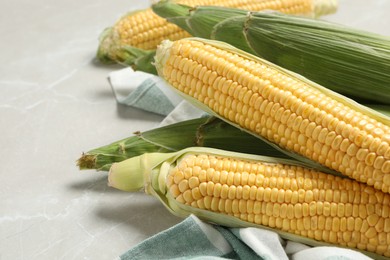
169	9
230	30
351	62
202	19
207	132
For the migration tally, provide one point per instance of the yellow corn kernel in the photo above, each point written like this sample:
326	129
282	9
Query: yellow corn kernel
327	221
296	99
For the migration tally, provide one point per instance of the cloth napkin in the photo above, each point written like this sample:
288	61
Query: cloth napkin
192	238
143	91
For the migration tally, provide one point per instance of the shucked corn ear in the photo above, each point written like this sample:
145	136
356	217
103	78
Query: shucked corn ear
352	62
206	131
241	190
289	111
136	35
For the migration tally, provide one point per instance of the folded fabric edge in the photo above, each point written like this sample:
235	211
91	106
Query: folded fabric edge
185	240
143	91
215	237
265	243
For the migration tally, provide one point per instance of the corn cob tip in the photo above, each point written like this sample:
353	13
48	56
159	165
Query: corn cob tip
136	173
107	46
324	7
127	175
111	51
162	55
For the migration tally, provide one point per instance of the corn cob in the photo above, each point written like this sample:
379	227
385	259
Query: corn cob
241	190
289	111
349	60
135	36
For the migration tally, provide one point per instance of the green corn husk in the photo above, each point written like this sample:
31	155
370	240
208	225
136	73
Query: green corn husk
208	132
239	41
149	173
202	21
203	18
352	62
380	108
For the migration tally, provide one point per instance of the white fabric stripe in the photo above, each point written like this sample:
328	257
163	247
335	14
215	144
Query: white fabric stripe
125	80
183	111
265	243
213	235
294	247
324	252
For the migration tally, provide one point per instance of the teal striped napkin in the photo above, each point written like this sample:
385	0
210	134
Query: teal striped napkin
194	239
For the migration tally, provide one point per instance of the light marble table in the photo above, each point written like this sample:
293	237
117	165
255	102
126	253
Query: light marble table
54	104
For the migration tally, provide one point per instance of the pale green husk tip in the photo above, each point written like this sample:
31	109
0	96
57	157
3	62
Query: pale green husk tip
106	43
324	7
127	175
